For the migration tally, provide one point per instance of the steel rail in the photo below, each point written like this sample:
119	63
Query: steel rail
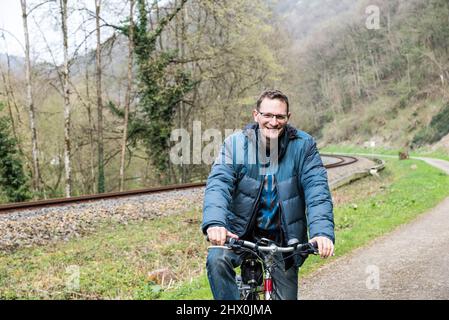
100	196
6	208
343	160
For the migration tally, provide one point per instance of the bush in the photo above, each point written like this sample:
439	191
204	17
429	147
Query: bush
437	129
13	181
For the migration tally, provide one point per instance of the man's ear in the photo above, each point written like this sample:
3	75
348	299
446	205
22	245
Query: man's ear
255	112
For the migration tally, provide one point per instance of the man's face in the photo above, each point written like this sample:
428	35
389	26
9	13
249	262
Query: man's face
271	127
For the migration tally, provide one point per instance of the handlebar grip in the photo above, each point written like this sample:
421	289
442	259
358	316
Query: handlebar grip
229	240
314	247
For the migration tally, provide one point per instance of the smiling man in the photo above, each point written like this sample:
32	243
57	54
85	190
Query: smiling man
256	199
272	114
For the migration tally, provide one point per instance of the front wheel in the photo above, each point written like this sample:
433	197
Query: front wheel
251	294
247	291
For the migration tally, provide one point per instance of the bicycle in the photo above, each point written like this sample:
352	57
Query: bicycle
255	281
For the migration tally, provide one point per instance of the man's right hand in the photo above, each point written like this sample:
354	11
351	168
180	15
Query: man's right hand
217	235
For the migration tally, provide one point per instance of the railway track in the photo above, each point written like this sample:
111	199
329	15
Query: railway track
11	207
342	161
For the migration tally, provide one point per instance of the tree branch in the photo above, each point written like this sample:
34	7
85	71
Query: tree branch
38	5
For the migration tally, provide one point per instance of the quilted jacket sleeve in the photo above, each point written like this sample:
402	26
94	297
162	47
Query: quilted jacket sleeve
219	188
320	217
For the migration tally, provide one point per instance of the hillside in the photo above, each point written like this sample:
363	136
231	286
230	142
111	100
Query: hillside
348	84
389	85
16	64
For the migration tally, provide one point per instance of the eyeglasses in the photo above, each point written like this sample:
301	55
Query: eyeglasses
269	116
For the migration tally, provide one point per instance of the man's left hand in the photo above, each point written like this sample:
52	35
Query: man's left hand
325	246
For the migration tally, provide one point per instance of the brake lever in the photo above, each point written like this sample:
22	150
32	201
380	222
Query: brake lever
309	248
313	248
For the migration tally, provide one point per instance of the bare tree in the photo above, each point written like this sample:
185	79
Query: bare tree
67	107
180	35
128	92
88	106
30	102
99	100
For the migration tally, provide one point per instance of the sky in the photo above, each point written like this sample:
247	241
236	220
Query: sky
11	22
44	27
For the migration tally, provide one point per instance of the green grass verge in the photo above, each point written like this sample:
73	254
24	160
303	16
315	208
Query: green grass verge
421	152
114	262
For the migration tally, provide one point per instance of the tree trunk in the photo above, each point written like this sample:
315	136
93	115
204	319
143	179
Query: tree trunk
128	92
92	184
180	47
30	102
101	181
183	55
158	19
67	107
408	73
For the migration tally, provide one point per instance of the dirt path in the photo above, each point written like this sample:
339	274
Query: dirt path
412	262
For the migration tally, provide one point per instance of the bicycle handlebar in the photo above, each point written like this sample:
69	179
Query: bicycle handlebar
309	247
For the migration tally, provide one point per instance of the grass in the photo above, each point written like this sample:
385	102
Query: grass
114	262
421	152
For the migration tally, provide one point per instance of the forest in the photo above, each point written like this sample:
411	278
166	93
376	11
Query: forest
92	103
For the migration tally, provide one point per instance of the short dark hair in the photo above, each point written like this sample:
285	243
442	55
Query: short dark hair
272	94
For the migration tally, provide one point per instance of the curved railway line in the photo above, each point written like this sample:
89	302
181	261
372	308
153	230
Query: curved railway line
11	207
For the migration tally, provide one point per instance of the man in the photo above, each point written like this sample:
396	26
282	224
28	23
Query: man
267	182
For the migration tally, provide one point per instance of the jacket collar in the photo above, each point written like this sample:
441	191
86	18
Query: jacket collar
290	133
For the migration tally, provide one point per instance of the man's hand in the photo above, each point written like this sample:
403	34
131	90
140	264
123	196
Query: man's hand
217	235
325	246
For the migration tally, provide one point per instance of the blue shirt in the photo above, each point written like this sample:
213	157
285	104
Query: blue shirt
268	215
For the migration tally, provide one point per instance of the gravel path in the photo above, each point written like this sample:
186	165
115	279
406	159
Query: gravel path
412	262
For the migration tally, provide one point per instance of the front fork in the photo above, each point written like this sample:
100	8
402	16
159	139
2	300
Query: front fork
268	288
268	284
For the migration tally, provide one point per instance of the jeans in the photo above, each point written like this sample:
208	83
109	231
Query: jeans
220	272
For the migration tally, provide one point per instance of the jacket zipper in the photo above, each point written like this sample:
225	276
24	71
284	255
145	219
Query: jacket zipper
281	211
253	210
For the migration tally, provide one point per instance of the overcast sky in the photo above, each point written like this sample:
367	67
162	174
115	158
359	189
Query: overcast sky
11	20
44	27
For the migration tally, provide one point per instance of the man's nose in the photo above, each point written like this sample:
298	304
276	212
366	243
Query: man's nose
274	121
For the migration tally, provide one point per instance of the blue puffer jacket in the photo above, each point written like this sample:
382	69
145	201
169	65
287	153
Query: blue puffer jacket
235	183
